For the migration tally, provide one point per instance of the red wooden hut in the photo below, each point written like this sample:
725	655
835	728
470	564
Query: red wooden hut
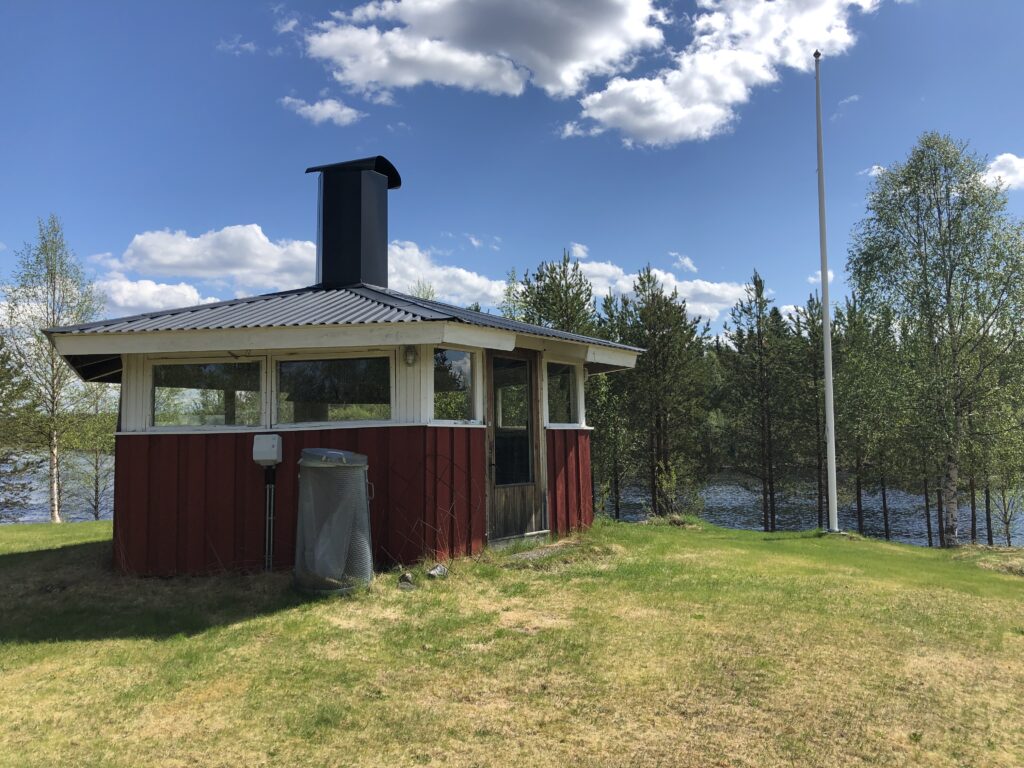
474	425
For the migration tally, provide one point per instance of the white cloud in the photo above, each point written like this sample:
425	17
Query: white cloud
572	129
578	250
815	279
852	99
325	110
238	257
3	246
132	297
872	171
407	263
1008	169
241	260
236	46
475	241
738	45
683	262
703	297
494	46
286	25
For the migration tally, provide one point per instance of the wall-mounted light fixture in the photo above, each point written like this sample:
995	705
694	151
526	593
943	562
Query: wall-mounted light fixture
411	354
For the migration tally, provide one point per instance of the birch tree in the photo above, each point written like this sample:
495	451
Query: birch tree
49	290
939	249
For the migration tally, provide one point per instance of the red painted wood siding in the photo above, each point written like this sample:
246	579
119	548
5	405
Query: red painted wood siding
186	504
570	493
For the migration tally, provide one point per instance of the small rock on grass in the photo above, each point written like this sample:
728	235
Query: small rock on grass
439	571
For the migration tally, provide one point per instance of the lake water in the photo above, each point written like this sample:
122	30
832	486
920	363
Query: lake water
727	503
731	504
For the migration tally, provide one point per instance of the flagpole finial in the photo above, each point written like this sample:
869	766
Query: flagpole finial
817	54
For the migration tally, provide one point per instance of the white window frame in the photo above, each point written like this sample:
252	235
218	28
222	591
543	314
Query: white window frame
293	357
580	377
148	403
477	385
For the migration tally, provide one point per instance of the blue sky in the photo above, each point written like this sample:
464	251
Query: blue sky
171	138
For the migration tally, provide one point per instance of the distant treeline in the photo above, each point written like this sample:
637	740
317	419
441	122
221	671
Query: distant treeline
928	363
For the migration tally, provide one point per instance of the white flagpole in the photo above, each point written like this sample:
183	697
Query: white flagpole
826	322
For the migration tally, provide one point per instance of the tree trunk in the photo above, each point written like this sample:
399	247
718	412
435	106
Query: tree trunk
860	504
764	501
885	510
927	513
974	513
988	514
938	514
950	525
55	516
616	490
771	473
97	468
653	461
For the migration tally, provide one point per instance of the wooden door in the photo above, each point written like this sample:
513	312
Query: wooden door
513	436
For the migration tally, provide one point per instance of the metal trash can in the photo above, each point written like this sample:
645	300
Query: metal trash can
333	553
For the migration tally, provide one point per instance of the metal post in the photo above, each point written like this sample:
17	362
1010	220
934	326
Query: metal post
269	477
826	322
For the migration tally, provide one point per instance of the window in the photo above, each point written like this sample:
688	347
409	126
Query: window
562	394
207	395
345	389
513	455
453	385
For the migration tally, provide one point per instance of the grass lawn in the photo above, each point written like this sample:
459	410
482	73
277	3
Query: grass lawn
630	646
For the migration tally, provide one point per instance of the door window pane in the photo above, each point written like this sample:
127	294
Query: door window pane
453	385
513	456
350	389
562	394
207	395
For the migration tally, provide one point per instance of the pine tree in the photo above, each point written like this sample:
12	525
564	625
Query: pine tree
751	397
666	396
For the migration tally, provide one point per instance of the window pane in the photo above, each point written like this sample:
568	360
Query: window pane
561	394
353	389
453	385
513	457
207	394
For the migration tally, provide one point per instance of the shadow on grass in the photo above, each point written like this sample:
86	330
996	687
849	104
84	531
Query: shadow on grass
73	593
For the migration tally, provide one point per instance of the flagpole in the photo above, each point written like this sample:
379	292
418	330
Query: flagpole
826	311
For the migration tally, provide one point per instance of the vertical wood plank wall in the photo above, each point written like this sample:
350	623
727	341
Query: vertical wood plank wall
570	493
188	504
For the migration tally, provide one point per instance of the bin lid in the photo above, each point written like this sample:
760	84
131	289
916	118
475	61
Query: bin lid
331	457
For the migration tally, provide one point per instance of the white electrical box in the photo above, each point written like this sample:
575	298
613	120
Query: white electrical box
266	450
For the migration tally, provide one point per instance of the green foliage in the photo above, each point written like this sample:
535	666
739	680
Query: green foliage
938	251
665	396
423	289
49	290
16	467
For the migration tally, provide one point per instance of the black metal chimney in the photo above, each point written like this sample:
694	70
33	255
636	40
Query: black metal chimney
352	222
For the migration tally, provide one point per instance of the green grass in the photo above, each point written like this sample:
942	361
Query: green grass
631	645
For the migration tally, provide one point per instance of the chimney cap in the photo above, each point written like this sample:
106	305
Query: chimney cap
378	163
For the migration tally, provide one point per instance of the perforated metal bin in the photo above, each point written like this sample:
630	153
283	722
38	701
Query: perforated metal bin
333	553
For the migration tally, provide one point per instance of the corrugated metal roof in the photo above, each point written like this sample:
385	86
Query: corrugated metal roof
354	305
